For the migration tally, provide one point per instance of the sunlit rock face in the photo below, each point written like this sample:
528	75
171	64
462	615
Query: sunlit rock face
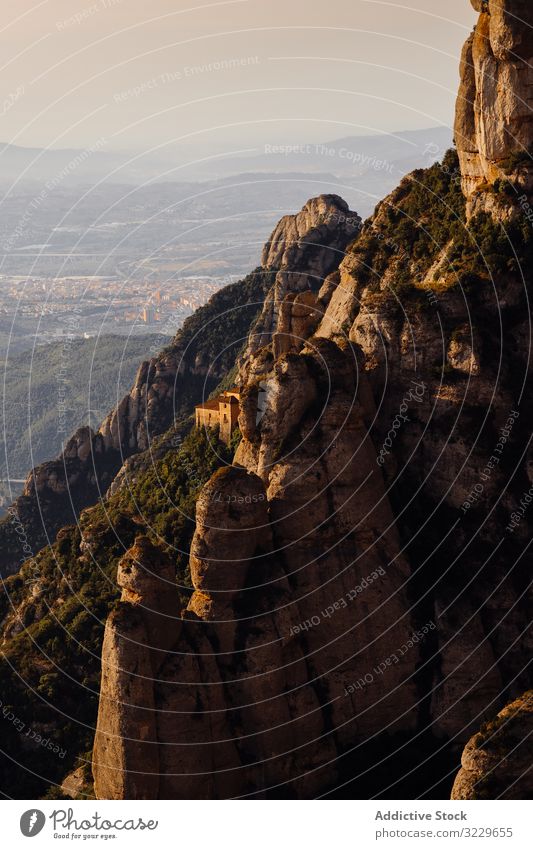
494	113
496	762
304	249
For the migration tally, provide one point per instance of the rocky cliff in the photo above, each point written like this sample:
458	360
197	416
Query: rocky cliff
378	498
435	291
493	125
281	661
305	248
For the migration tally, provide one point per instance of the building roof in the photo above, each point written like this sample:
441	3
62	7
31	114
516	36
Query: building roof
230	396
208	405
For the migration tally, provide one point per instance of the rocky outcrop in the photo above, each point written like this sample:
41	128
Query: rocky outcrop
457	331
138	635
75	784
298	241
497	762
304	249
443	307
333	528
494	115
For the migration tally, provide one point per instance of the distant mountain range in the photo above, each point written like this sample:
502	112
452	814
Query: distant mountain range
349	157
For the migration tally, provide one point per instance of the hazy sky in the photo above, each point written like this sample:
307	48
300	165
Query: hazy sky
132	74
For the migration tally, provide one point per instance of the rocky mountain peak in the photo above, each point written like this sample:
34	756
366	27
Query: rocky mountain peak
293	233
494	112
304	249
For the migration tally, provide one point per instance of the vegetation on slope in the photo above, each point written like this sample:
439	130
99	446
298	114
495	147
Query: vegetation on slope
53	613
203	351
85	376
422	226
212	338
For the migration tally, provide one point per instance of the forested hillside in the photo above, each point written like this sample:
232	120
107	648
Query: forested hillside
50	392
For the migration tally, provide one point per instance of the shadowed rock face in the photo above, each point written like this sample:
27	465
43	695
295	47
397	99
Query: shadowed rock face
468	348
497	762
494	115
448	364
332	526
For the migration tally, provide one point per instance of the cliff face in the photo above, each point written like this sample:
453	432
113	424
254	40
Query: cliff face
311	244
493	124
360	573
305	248
435	291
138	634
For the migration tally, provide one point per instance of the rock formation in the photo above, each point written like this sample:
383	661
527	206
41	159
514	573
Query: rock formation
497	762
494	117
469	349
283	661
361	586
352	570
449	466
139	633
304	248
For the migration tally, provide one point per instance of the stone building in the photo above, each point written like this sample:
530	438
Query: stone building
222	412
